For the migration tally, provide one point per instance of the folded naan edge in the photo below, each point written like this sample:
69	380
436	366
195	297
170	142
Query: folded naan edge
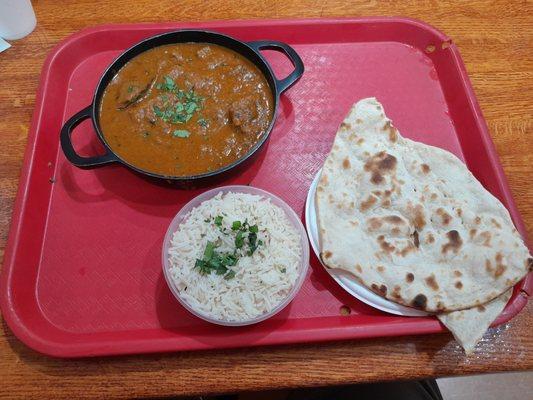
468	326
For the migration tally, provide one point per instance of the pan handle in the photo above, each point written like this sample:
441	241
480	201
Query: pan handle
68	149
295	59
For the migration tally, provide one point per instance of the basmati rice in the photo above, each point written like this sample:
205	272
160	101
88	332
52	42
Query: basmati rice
262	280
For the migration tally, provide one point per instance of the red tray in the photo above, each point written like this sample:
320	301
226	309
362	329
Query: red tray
82	273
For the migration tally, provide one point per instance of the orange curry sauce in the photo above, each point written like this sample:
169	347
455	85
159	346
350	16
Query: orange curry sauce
185	109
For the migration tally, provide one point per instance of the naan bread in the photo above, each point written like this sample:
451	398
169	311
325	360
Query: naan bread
469	326
410	221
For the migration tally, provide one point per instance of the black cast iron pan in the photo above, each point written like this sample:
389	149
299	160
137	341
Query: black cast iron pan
250	50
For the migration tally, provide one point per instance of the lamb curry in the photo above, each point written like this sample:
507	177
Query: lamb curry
185	109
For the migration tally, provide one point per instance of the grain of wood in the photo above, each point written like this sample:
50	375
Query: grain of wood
494	38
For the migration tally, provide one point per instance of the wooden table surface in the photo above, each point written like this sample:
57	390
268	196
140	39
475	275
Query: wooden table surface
495	42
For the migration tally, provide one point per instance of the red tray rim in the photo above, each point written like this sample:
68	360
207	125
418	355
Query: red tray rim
58	349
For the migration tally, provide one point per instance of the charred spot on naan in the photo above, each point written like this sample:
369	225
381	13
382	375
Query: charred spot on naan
391	131
381	289
397	185
454	242
390	223
420	301
445	217
368	203
500	266
416	239
381	268
409	277
440	306
396	292
484	238
385	246
481	308
430	238
431	281
406	250
459	285
495	223
394	219
358	268
380	164
345	126
425	168
324	256
457	273
416	215
346	163
488	266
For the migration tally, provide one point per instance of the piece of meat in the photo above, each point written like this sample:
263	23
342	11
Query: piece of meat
175	72
217	62
204	52
207	87
145	114
242	73
243	113
132	92
178	57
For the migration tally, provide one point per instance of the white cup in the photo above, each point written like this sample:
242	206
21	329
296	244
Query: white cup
17	19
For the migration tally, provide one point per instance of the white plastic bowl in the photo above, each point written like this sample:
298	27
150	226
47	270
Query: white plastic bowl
183	214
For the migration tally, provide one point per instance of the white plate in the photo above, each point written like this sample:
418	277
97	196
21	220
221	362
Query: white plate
344	278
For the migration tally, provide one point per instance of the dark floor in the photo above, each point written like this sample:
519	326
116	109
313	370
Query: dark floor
506	386
509	386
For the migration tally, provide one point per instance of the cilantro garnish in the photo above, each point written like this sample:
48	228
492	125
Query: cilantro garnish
239	240
213	261
182	133
246	243
182	110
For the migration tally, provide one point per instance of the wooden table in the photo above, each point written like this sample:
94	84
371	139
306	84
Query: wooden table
495	41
